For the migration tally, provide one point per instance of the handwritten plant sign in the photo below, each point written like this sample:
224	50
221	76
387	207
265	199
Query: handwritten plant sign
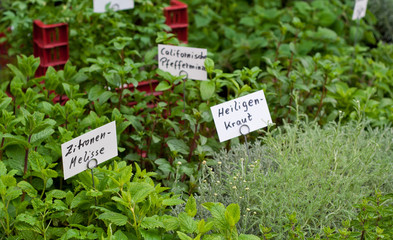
174	59
116	5
360	9
250	110
99	144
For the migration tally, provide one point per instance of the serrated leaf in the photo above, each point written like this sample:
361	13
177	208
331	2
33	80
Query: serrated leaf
59	206
70	234
18	140
49	173
3	169
59	194
37	162
135	122
152	222
187	223
119	235
151	234
183	236
172	202
8	180
95	92
139	191
26	187
218	212
105	96
232	214
80	199
93	193
164	75
191	207
17	72
207	90
209	65
170	223
5	102
204	227
42	135
115	218
27	219
163	86
12	193
176	145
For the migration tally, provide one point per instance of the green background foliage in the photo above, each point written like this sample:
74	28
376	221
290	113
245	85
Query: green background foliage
328	83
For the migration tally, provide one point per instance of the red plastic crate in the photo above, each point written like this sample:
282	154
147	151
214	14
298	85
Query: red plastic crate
51	56
62	100
4	59
50	35
50	44
3	46
177	19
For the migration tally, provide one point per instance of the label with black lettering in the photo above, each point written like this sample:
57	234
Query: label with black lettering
174	59
99	144
249	112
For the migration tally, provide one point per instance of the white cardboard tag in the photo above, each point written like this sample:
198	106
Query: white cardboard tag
360	9
100	144
174	59
116	5
247	113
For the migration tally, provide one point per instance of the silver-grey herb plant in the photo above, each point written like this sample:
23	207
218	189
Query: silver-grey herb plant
317	172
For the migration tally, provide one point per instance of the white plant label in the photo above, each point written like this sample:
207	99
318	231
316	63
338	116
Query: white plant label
99	144
174	59
241	115
116	5
360	9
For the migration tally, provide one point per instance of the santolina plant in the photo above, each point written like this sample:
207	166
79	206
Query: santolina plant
317	172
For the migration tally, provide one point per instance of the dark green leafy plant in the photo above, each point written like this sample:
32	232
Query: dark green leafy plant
90	34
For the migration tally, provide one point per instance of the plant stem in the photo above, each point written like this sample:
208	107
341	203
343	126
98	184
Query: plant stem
43	190
26	157
1	150
148	142
135	225
193	143
121	93
288	72
322	96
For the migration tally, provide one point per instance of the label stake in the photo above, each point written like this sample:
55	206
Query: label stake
182	72
91	166
244	133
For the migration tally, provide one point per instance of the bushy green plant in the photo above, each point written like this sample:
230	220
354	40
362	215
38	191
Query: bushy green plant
90	34
120	204
317	172
242	32
306	47
382	9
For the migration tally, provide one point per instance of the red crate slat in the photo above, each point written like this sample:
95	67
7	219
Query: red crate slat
177	19
50	44
51	33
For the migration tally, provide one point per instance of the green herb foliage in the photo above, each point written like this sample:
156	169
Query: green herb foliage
319	173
